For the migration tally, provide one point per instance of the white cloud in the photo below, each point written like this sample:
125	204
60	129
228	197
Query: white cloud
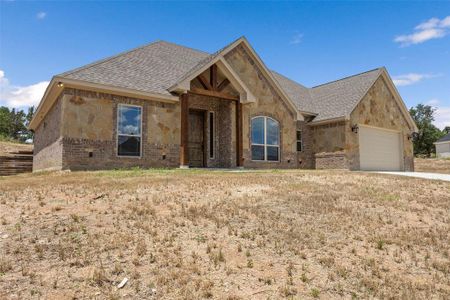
296	39
20	96
441	114
411	78
41	15
442	117
433	102
433	28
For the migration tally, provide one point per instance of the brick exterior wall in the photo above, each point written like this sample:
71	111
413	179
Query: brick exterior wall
47	150
306	159
331	160
224	131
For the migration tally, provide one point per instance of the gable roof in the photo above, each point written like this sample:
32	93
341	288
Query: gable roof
155	71
339	98
151	68
445	138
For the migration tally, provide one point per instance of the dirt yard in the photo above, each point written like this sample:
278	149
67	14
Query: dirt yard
187	234
432	165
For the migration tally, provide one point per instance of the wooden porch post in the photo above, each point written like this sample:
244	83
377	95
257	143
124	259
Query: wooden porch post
184	153
239	144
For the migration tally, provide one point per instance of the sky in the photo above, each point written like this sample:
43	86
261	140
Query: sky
309	42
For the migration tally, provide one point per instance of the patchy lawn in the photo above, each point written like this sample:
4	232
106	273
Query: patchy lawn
7	147
227	235
432	165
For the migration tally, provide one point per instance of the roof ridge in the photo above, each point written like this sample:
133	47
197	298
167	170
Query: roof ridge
296	82
178	45
347	77
107	59
70	72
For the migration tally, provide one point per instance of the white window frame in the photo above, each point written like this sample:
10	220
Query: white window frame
299	140
117	131
212	134
265	145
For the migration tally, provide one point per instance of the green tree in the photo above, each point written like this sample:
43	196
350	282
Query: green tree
13	123
5	122
423	115
447	129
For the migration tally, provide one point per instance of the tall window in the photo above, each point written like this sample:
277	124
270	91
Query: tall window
299	141
129	133
265	139
211	134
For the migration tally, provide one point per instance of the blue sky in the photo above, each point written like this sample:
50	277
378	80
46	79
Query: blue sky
310	42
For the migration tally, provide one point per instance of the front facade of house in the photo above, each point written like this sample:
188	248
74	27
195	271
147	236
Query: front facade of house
164	105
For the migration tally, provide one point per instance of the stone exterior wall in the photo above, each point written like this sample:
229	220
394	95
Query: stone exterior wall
379	109
268	103
90	132
328	144
47	141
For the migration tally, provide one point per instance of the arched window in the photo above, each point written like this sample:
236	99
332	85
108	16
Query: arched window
265	139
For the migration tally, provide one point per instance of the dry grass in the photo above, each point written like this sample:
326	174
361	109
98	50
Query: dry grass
7	147
198	234
432	165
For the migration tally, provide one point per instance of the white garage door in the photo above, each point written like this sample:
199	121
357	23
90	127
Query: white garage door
379	149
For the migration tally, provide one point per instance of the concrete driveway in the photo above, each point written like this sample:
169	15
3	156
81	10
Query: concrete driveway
436	176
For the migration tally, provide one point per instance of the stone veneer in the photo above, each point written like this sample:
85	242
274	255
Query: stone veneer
379	108
268	103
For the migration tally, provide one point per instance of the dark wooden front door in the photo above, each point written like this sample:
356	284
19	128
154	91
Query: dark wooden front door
196	138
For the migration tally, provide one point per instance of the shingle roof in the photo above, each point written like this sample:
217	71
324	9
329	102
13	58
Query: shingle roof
445	138
338	98
298	93
151	68
158	66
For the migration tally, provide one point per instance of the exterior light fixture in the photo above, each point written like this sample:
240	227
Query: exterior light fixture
413	136
355	128
60	84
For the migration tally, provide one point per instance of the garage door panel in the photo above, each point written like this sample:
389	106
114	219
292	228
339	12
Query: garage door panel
379	149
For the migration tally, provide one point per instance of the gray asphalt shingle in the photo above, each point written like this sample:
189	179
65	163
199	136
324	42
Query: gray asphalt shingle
160	65
151	68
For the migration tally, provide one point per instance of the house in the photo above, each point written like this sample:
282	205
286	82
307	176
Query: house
443	146
165	105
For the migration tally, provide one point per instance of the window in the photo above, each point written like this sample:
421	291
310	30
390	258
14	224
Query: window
265	139
299	141
211	134
129	131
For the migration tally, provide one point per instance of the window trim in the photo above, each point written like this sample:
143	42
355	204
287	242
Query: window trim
212	135
117	131
299	140
265	145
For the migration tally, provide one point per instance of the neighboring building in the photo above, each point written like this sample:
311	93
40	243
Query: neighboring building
443	146
164	105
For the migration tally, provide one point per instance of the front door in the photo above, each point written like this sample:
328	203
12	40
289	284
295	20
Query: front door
196	138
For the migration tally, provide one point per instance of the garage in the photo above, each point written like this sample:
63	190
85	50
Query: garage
379	149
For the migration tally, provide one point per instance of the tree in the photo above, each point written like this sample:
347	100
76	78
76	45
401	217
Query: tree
447	129
423	115
13	123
